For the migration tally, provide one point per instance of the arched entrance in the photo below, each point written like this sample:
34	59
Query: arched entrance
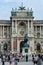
38	47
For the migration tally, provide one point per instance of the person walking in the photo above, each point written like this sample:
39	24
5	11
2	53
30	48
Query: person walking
39	60
35	60
15	60
3	60
26	58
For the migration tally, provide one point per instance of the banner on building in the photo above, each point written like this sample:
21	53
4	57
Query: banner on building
14	44
21	38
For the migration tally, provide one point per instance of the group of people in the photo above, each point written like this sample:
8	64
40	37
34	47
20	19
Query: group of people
14	57
37	59
9	58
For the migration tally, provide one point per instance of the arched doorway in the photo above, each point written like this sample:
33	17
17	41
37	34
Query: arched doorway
38	47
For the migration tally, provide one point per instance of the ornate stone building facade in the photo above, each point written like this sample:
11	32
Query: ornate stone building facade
21	22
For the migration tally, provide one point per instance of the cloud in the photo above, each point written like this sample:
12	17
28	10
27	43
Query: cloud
8	0
11	0
7	5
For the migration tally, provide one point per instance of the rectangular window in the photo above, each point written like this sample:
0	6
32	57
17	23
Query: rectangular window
38	35
5	34
41	28
0	30
5	31
5	28
8	31
34	28
14	23
42	45
30	23
38	28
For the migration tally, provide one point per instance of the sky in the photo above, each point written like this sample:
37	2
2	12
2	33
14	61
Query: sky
7	5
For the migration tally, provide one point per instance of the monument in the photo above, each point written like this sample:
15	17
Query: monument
25	48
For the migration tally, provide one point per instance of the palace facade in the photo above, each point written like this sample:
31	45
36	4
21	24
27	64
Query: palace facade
21	22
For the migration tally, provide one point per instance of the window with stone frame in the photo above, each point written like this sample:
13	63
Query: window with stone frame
38	28
0	31
29	23
5	34
41	28
8	31
14	23
5	31
38	35
34	28
42	45
5	28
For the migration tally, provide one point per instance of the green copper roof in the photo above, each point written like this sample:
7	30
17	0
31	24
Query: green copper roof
13	13
25	12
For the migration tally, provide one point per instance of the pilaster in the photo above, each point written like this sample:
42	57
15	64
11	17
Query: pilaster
28	28
16	25
12	45
40	31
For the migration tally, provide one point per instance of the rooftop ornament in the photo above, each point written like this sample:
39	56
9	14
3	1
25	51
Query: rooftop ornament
31	9
12	10
13	13
21	7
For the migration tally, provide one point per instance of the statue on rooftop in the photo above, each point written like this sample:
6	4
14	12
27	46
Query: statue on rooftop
22	7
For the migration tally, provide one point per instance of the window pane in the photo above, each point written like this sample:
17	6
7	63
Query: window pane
38	35
38	28
30	23
41	28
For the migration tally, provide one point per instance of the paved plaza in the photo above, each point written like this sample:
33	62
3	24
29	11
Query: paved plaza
20	63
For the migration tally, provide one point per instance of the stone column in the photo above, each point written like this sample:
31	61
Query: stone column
12	36
16	26
33	44
32	31
18	46
12	27
40	31
28	27
12	45
0	31
3	31
7	31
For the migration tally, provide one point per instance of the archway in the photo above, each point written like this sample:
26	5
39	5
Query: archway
38	47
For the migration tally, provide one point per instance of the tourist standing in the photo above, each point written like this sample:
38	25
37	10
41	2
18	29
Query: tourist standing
3	60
